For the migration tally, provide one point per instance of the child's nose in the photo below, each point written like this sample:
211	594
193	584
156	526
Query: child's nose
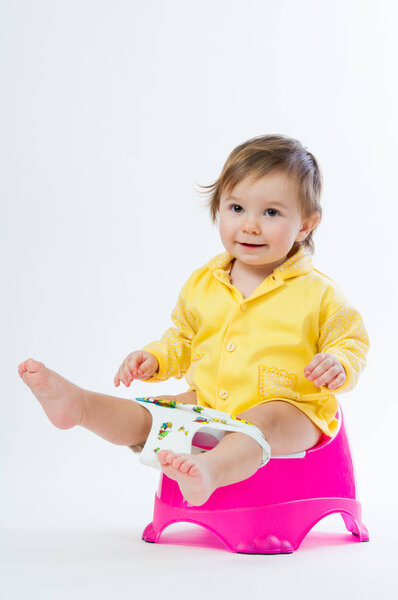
251	226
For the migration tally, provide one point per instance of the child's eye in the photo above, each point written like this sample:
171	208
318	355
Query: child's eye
272	210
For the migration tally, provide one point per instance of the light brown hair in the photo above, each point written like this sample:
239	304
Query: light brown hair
264	154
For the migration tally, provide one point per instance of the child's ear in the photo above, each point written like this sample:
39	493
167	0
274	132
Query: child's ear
307	226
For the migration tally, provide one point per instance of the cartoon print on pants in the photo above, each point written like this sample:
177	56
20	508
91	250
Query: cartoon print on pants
164	430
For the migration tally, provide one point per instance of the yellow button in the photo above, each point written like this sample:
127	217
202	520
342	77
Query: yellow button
230	347
223	394
243	306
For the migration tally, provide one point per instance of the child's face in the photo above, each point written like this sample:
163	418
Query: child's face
266	213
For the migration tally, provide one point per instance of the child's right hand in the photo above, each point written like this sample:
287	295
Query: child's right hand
137	365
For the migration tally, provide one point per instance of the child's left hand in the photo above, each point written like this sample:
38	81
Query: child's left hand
325	369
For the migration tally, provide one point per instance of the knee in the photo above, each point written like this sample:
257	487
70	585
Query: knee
147	421
264	417
284	426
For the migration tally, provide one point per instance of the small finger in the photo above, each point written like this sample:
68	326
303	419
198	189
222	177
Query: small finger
142	370
323	366
122	377
316	373
143	373
316	360
327	376
324	378
144	376
125	375
337	381
116	381
131	364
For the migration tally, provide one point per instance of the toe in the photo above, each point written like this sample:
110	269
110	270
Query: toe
21	368
186	466
162	457
177	462
168	457
33	366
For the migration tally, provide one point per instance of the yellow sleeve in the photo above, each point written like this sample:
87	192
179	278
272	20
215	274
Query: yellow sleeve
343	334
173	350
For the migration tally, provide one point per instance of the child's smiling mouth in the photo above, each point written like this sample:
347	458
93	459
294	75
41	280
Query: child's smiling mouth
252	245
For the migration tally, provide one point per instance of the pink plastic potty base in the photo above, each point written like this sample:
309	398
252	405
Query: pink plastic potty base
272	511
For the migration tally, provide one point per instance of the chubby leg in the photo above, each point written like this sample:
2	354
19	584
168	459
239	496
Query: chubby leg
117	420
286	428
238	456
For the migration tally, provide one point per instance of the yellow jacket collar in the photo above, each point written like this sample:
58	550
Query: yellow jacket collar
298	264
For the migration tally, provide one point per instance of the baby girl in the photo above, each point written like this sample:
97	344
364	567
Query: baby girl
259	332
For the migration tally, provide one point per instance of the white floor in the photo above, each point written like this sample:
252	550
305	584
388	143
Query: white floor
73	509
110	561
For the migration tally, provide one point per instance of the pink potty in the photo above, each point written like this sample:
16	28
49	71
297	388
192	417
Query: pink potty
273	510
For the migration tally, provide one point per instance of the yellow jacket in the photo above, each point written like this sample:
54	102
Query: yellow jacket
238	352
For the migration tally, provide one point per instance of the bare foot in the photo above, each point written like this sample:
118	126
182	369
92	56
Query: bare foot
194	473
61	400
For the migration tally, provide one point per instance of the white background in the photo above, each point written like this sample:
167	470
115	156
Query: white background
111	114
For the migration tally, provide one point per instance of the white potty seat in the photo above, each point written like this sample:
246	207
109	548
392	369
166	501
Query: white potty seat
188	429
